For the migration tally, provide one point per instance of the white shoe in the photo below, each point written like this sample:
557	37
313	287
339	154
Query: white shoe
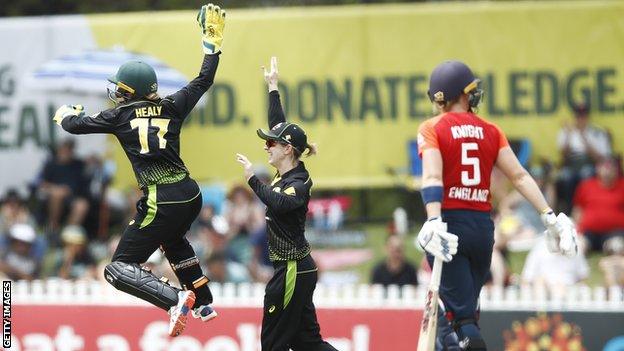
179	312
205	312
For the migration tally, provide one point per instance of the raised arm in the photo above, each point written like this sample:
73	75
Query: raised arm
185	99
211	20
276	113
73	120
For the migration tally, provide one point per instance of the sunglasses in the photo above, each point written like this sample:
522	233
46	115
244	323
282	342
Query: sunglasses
271	142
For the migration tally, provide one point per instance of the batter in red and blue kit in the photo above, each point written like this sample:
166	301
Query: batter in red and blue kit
459	150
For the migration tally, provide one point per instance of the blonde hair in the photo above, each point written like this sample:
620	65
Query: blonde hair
312	149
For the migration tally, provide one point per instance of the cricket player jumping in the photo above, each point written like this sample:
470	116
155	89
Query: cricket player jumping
148	128
459	150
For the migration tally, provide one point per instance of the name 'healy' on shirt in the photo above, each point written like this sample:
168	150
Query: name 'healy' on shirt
149	111
467	131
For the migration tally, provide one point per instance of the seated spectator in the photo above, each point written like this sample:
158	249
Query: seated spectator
582	145
260	267
13	210
245	216
210	233
75	261
599	205
65	186
221	270
612	266
554	272
395	269
514	204
19	260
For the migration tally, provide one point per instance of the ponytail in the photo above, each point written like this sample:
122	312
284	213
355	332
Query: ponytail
312	149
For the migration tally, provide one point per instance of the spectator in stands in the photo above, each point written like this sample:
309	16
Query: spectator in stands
13	210
516	206
581	145
19	260
211	235
65	185
395	269
223	271
553	272
612	265
599	205
244	216
75	261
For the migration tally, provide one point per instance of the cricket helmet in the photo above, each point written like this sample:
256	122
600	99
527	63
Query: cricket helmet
450	79
136	78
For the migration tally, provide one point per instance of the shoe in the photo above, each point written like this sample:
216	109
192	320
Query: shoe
205	312
179	312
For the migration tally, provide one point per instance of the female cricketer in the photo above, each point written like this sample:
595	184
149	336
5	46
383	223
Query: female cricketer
289	320
459	150
148	129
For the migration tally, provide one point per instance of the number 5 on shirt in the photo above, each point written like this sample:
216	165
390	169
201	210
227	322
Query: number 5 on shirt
466	160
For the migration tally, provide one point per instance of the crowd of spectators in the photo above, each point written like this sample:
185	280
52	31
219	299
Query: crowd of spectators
66	226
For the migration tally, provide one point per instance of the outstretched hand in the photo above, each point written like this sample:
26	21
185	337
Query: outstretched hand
271	77
247	166
211	20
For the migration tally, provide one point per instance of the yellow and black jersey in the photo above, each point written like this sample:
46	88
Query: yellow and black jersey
286	199
149	130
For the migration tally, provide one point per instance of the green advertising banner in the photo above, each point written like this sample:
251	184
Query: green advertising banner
356	77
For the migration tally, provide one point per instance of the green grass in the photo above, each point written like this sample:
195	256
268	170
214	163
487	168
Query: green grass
376	242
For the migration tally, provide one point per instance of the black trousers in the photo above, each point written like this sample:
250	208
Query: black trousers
289	320
164	215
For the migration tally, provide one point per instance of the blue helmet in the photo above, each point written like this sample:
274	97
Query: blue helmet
450	79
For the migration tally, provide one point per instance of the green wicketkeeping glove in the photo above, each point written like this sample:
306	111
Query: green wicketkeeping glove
211	19
66	111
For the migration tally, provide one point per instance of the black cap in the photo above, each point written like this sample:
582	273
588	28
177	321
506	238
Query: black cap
287	133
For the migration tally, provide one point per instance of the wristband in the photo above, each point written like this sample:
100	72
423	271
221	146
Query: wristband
432	194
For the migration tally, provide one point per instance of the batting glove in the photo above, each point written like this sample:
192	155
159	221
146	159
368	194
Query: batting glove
66	111
560	234
211	19
434	239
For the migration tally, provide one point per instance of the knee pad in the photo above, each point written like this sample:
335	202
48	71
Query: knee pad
136	281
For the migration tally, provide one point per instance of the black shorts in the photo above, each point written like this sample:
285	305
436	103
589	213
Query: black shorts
164	215
289	320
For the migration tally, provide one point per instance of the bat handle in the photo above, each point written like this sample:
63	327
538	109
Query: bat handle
436	274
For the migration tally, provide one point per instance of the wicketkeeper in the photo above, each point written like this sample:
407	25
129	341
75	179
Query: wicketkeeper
148	128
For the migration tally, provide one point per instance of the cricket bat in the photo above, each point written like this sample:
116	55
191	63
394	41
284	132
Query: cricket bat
428	327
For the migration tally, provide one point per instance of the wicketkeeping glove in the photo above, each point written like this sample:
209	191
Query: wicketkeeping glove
434	239
66	111
211	19
560	234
